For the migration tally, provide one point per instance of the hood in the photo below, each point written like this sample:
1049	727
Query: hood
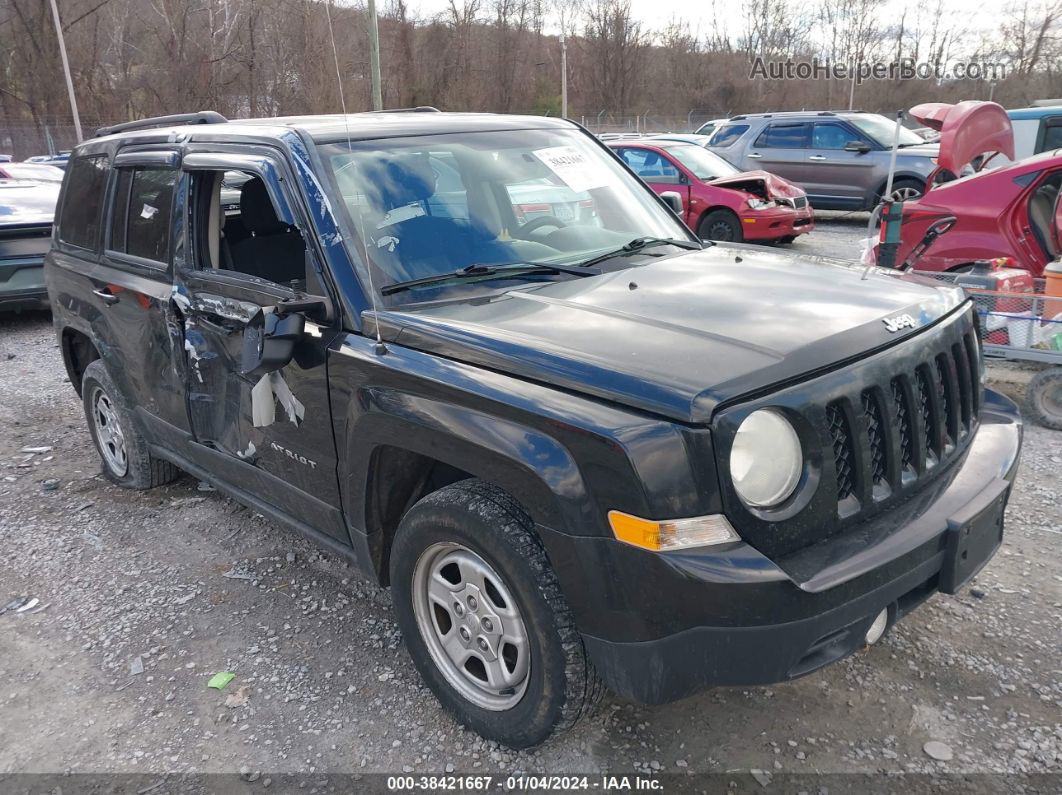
967	129
760	183
927	149
679	337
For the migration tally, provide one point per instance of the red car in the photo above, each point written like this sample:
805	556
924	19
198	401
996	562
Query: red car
1004	212
718	201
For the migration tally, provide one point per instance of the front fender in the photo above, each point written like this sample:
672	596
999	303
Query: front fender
536	469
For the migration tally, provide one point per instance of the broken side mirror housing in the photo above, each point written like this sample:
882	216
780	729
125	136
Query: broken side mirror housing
859	147
673	200
269	341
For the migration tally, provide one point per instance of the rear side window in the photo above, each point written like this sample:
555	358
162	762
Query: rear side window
1052	134
784	136
727	134
79	219
143	205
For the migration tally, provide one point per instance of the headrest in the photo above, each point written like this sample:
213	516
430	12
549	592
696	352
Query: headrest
256	209
397	180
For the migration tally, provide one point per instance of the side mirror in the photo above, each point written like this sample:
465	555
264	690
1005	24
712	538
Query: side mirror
269	341
673	200
859	147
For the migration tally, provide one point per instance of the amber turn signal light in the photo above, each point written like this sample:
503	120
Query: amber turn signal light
659	536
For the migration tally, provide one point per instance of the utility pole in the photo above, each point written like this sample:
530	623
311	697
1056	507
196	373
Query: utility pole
66	70
564	76
374	57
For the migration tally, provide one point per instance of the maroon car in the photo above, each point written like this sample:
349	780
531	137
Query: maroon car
719	202
1003	212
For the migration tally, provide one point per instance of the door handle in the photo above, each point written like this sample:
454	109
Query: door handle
105	295
755	155
816	157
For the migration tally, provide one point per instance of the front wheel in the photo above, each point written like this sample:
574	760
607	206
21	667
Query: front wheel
904	190
720	225
484	619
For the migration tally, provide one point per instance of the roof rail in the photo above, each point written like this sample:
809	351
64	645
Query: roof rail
201	117
418	109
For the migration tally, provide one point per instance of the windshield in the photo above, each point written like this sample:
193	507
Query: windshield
882	130
703	164
424	206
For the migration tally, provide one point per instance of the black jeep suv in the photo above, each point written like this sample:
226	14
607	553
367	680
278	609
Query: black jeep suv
477	356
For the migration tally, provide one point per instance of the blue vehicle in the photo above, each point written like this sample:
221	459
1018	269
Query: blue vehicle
1036	130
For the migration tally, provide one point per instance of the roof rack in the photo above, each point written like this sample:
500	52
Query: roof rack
418	109
201	117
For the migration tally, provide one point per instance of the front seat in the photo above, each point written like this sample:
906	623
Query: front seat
274	250
398	187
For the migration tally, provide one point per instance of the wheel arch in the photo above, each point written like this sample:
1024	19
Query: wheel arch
78	353
401	461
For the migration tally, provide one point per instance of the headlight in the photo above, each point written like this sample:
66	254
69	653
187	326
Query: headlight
766	459
760	204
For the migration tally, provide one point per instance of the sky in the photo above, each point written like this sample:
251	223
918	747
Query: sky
656	14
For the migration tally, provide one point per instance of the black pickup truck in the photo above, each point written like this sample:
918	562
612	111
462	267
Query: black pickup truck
477	356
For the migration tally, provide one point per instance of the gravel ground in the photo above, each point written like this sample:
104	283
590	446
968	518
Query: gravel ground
144	596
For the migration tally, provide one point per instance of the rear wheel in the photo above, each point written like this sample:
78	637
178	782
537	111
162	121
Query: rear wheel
1043	398
720	225
484	619
123	450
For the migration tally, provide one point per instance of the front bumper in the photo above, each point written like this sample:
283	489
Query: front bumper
778	223
659	627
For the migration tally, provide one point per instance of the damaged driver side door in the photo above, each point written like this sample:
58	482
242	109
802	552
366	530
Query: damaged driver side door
256	326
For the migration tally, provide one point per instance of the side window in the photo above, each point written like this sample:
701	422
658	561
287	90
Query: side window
830	135
79	218
728	134
237	228
784	136
143	208
651	166
1052	134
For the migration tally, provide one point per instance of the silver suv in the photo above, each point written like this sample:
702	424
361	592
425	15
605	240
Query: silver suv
841	159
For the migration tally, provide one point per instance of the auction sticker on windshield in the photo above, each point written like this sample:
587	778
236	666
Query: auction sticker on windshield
575	169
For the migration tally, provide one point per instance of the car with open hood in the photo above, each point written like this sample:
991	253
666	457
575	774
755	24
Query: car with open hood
1005	212
582	450
716	200
26	211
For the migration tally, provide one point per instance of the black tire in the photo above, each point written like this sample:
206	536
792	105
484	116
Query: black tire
561	686
720	225
785	241
1043	398
142	470
907	188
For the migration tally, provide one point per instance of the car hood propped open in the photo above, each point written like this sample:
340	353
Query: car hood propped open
967	129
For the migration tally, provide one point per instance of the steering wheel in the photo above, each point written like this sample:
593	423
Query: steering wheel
538	223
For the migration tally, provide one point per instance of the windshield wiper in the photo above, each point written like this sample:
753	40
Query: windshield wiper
642	243
477	272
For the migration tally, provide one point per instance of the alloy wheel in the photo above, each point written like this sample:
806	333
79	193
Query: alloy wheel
109	433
